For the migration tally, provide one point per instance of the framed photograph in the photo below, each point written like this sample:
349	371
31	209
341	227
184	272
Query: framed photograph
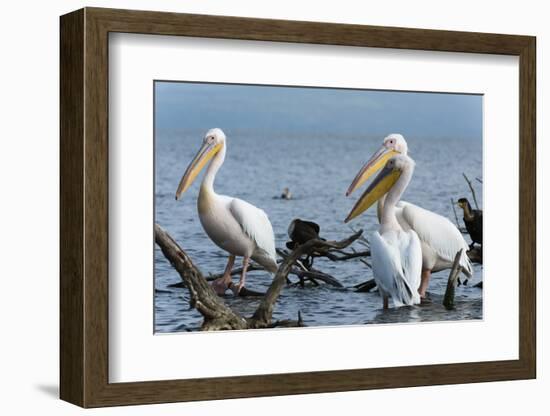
255	207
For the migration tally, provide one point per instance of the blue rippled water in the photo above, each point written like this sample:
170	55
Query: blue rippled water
318	170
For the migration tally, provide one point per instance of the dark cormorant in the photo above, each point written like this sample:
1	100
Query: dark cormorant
473	219
300	232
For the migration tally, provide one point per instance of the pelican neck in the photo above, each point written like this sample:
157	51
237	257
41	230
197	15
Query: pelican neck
388	218
210	176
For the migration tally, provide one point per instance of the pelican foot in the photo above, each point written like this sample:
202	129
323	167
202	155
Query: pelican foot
425	300
236	288
219	286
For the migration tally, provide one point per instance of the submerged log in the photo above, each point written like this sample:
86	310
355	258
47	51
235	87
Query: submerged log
476	254
217	315
365	286
449	298
289	323
305	272
314	275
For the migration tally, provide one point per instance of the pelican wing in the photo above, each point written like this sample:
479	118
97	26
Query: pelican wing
437	232
411	262
385	263
396	264
256	225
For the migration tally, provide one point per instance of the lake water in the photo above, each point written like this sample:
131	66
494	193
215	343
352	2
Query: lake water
318	171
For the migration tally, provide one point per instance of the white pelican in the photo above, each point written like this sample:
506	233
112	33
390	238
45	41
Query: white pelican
439	238
396	253
234	225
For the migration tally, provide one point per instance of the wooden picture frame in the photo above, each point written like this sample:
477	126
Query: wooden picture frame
84	207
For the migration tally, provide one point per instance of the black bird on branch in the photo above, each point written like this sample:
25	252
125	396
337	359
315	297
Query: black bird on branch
473	219
300	232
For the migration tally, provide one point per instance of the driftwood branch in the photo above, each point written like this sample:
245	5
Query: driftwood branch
314	275
217	315
454	212
365	286
449	298
471	189
361	240
262	316
301	272
366	263
461	229
306	272
344	255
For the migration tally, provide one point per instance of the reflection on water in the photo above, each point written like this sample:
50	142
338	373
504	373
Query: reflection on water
317	170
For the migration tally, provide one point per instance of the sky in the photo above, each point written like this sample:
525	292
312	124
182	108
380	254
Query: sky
180	105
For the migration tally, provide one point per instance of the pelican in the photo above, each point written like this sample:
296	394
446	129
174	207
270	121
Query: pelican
396	253
439	238
232	224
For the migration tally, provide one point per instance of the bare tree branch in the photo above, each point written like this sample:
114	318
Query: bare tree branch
344	256
217	315
449	298
471	189
262	316
366	286
300	271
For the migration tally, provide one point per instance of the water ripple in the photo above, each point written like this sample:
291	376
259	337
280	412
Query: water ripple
318	190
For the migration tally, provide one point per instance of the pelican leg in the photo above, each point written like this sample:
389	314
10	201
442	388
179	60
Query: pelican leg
237	289
385	298
221	284
424	282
